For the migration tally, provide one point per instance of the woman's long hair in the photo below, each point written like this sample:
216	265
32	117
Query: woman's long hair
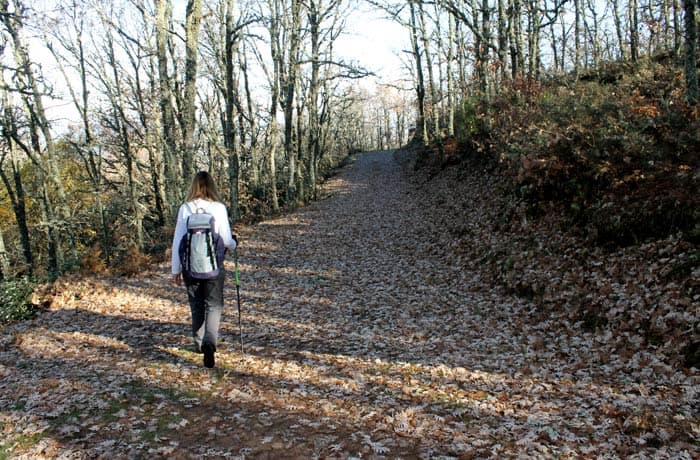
203	187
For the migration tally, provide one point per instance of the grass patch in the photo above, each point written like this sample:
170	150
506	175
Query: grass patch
20	442
15	299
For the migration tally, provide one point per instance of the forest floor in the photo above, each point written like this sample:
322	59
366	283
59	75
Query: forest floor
372	328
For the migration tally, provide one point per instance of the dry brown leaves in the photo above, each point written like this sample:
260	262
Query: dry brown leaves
375	325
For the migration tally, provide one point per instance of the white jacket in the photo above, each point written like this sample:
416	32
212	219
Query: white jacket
223	228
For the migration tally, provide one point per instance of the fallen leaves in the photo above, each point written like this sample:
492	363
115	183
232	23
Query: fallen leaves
387	320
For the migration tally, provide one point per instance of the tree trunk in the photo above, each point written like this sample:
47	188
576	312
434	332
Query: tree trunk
300	146
154	142
439	53
290	83
558	65
431	81
564	41
667	36
654	27
634	30
677	33
515	38
485	49
15	192
171	174
618	28
253	144
502	40
193	19
450	81
533	37
594	35
314	19
121	126
229	116
49	224
421	133
578	17
42	150
274	99
691	42
4	259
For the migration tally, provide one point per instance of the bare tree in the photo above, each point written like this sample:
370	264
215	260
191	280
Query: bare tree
618	28
437	134
515	35
274	26
67	43
38	143
225	52
230	43
289	76
119	122
172	176
450	77
13	184
421	120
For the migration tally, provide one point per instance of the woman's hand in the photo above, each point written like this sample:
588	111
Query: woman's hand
178	279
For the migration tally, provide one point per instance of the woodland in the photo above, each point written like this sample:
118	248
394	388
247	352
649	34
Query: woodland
493	256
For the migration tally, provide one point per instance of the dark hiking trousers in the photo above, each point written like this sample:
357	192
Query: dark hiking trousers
206	299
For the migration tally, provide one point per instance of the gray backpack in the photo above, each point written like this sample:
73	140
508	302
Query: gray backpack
201	248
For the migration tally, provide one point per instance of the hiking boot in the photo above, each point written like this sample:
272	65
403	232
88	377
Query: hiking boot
208	350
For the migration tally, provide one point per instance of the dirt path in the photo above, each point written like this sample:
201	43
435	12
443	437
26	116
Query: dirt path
366	335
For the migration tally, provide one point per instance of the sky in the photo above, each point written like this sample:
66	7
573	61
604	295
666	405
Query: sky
371	40
375	42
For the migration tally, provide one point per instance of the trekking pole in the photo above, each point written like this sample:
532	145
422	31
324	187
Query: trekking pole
238	297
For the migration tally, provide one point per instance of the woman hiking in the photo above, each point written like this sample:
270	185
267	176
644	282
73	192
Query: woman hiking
203	275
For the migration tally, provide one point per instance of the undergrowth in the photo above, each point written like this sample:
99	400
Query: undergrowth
15	299
619	159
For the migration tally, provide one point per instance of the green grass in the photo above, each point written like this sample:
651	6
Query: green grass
20	442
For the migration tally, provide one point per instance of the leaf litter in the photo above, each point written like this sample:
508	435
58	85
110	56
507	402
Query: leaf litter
394	318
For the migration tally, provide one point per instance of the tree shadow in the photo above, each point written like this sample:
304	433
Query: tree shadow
305	389
122	398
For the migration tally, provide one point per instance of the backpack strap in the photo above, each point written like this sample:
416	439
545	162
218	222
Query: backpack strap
198	210
192	209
